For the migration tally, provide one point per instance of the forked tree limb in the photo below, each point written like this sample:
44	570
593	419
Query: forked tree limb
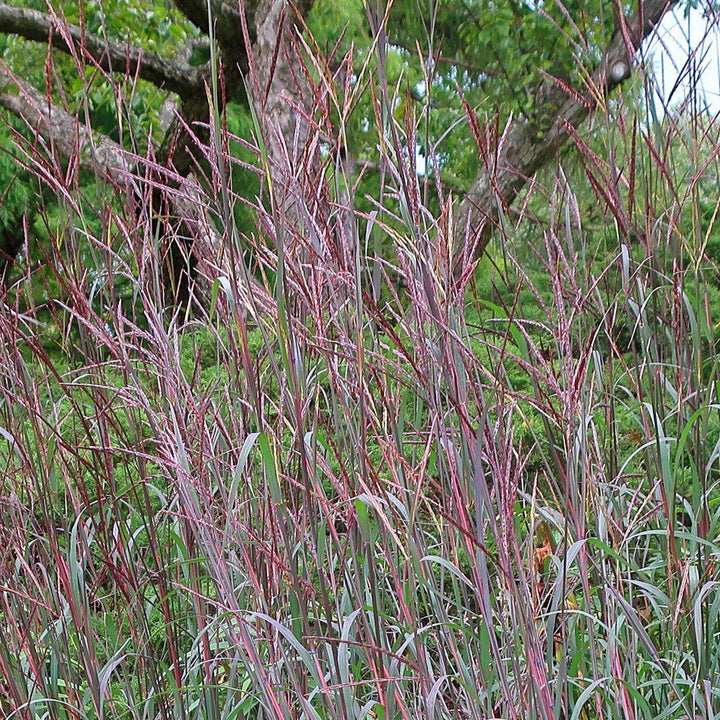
523	148
220	19
67	136
70	138
173	75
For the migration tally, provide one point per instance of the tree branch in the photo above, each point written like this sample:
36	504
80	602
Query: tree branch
524	148
71	138
63	131
172	75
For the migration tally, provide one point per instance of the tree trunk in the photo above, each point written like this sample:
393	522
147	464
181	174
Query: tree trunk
511	160
282	100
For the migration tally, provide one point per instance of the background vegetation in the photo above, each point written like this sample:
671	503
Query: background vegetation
350	475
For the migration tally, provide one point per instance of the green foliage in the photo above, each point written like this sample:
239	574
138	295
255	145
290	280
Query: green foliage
330	19
492	54
19	187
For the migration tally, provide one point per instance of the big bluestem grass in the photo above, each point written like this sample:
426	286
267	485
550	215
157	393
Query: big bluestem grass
350	481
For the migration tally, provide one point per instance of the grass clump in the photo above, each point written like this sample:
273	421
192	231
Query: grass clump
343	486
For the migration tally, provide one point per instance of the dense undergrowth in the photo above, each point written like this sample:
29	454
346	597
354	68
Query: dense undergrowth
350	480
